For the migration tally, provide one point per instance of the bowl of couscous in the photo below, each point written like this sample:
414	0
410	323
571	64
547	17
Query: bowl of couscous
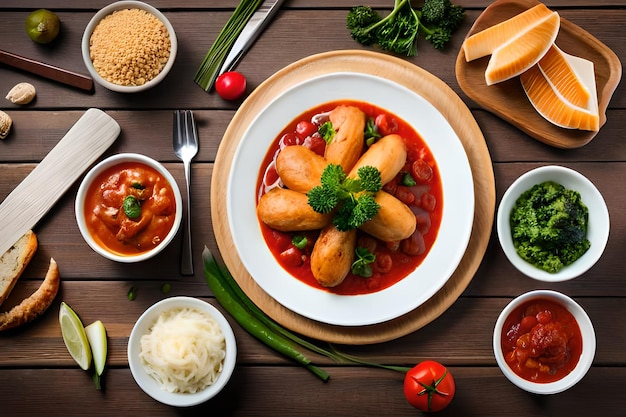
129	46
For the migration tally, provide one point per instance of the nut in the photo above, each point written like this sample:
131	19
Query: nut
22	93
5	124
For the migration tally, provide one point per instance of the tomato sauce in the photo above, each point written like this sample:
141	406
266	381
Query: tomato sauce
123	187
394	260
541	341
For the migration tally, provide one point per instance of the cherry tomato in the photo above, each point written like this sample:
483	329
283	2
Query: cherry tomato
422	171
292	256
386	124
289	139
429	386
305	129
404	194
316	144
230	85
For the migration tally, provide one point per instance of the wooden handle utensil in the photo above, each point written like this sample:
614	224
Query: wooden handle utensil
20	211
51	72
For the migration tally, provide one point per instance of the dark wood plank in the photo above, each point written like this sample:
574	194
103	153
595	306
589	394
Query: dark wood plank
370	391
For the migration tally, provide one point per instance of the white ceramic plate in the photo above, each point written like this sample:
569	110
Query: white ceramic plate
458	201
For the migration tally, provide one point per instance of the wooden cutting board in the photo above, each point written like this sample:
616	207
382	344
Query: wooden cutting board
87	139
453	109
508	100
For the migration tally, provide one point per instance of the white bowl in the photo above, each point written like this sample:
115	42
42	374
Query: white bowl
80	203
588	347
457	216
107	10
597	233
150	385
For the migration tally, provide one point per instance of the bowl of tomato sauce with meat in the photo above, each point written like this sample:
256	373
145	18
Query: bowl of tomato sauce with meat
128	207
544	342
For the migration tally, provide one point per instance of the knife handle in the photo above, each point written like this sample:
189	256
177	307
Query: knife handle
51	72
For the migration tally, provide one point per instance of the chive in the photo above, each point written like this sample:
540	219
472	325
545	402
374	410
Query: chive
209	69
299	241
249	322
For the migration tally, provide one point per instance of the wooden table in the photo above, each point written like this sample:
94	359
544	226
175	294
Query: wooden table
37	375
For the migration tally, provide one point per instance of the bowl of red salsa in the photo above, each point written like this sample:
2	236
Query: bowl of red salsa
128	207
544	342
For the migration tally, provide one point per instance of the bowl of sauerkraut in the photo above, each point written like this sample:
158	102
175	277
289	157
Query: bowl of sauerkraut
182	351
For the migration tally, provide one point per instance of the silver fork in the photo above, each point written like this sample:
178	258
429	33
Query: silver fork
186	147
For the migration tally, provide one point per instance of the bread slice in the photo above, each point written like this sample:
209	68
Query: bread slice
14	261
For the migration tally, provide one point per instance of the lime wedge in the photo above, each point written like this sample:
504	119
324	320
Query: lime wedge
74	336
97	336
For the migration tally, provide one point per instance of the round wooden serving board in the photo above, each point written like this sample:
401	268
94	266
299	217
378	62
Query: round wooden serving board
461	120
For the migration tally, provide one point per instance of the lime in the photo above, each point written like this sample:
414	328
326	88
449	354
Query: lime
74	336
42	26
97	337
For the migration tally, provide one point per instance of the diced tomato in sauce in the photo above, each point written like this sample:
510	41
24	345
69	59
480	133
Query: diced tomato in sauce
541	341
394	260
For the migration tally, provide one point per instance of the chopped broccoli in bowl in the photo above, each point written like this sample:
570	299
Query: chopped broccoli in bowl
549	226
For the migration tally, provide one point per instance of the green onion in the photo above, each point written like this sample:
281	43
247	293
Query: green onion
227	298
214	59
132	293
299	241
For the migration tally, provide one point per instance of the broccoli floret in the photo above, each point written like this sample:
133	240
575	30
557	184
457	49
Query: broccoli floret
359	19
549	226
353	198
395	32
398	31
440	19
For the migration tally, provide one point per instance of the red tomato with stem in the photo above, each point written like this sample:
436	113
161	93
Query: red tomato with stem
429	386
230	85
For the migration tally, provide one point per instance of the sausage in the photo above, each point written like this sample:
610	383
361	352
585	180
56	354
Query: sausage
289	211
394	221
347	145
388	155
300	168
333	255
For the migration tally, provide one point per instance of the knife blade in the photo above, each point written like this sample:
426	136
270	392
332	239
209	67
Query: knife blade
258	21
86	140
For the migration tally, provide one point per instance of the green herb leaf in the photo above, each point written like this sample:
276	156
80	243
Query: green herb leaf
371	132
131	207
299	241
327	132
363	258
407	180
